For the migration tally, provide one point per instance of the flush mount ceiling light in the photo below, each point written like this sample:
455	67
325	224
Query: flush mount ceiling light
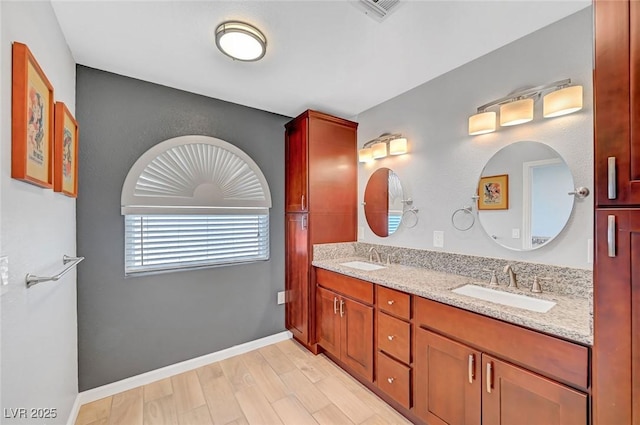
380	147
517	108
241	41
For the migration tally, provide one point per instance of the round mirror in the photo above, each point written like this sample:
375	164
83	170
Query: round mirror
523	196
383	202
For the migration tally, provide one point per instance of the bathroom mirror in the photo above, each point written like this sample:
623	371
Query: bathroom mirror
523	196
383	202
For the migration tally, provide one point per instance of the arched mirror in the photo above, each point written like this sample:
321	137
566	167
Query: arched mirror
523	196
383	202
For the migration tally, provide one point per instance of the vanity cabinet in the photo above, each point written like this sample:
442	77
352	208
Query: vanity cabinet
617	102
320	206
345	320
616	349
470	369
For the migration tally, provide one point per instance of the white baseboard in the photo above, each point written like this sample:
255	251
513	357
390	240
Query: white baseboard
167	371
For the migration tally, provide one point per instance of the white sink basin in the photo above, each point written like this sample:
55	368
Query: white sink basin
505	298
361	265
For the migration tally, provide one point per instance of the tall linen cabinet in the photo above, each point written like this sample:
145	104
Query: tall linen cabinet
320	206
616	351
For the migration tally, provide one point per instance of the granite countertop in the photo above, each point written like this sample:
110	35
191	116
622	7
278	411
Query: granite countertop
570	318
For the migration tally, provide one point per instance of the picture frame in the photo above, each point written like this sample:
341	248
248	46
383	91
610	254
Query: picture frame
493	192
65	148
31	120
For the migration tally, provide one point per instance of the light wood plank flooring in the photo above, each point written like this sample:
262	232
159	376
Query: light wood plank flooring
279	384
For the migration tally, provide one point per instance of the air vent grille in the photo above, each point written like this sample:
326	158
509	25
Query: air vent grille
378	9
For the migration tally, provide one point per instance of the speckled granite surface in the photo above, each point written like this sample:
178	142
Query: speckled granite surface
570	318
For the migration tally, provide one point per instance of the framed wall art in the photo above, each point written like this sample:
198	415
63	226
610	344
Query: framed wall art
65	148
493	192
31	120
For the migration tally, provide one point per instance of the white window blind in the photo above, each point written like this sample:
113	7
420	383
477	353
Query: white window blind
168	242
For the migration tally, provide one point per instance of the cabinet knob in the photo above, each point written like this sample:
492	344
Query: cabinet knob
390	302
390	337
390	380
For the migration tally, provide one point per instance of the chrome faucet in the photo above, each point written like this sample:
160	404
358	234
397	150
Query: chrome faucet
371	251
513	283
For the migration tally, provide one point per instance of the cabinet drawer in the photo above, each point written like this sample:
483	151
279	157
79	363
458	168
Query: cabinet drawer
394	337
394	378
354	288
394	302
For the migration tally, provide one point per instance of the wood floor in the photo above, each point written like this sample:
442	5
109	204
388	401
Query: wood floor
278	384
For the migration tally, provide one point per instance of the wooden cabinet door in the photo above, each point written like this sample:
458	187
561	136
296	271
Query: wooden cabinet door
447	386
616	350
514	396
357	337
617	102
328	320
296	168
297	276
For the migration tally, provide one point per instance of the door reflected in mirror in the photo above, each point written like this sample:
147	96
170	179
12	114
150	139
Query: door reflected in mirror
383	202
539	205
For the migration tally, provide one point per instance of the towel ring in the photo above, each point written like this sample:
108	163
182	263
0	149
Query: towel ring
463	218
410	218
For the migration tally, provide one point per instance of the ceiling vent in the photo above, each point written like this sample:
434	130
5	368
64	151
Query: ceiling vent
377	9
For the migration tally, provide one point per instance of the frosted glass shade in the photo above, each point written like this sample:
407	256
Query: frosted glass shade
241	41
398	146
365	155
517	112
484	122
562	102
379	150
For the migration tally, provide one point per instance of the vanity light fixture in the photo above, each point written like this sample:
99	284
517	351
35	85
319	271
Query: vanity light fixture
241	41
380	147
516	112
517	108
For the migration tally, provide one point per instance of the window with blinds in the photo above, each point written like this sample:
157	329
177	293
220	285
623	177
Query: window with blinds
168	242
191	202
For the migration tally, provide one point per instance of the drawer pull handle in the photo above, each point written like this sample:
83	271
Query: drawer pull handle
390	337
302	202
489	377
390	302
335	305
611	235
390	380
611	177
341	308
472	368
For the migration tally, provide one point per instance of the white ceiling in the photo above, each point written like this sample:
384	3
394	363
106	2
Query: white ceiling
325	55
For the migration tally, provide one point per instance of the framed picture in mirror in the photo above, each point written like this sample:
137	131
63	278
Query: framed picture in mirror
493	192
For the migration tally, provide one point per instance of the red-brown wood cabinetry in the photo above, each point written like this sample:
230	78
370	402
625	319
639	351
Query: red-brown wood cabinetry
471	369
320	206
345	321
617	102
616	352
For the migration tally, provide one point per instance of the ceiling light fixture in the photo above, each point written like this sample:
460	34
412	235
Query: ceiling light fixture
241	41
380	147
517	108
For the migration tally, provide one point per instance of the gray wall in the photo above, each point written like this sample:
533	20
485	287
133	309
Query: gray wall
127	326
442	168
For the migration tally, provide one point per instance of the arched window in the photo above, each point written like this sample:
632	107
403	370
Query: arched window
191	202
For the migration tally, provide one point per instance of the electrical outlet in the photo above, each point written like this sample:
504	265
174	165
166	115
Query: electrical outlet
438	238
360	233
515	233
589	251
4	270
281	297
